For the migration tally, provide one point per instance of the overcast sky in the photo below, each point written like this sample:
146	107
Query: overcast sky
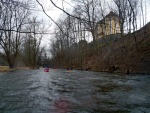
55	13
51	10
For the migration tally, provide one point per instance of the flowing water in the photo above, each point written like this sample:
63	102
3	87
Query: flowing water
59	91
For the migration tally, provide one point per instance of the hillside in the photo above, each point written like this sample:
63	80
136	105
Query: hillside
120	55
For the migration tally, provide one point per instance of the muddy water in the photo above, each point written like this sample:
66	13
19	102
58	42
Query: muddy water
59	91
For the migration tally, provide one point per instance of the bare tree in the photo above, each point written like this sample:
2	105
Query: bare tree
12	18
32	43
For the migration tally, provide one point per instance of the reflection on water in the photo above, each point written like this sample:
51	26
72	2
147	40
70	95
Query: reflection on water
59	91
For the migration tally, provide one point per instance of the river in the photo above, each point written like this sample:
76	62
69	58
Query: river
59	91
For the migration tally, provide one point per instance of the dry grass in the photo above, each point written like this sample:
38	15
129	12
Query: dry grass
23	68
4	68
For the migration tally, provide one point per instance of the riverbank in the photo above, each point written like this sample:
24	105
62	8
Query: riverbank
4	69
123	55
129	54
7	69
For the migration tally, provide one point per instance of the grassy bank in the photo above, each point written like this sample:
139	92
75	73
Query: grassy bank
7	69
4	69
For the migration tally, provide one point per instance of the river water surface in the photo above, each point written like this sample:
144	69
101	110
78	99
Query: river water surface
59	91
